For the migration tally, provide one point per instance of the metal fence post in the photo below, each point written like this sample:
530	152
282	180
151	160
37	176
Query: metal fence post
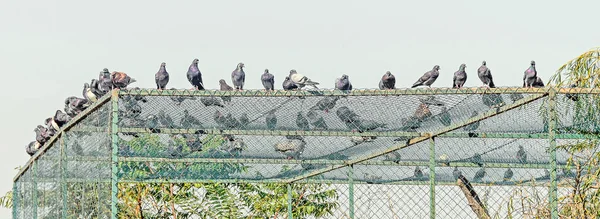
63	171
289	197
351	190
115	150
35	189
552	193
431	178
15	200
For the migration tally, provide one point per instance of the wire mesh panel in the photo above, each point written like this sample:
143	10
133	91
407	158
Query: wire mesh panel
437	153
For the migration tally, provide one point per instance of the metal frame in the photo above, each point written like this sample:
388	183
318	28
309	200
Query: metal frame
114	129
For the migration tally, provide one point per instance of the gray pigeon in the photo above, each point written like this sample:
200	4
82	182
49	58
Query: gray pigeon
473	126
418	172
51	130
271	120
476	159
238	77
326	103
88	94
225	121
162	77
302	122
456	173
347	115
165	119
343	83
268	80
538	82
316	120
428	78
225	87
479	175
179	99
508	174
188	121
301	80
288	84
530	75
94	88
121	80
211	101
393	156
444	117
41	134
75	105
32	148
388	81
60	118
485	75
105	83
194	76
291	148
244	120
193	141
521	154
460	77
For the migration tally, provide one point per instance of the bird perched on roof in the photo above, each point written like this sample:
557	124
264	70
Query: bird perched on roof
88	94
530	75
121	80
238	77
428	78
343	83
223	86
485	75
268	80
105	83
162	77
194	76
301	80
388	81
460	77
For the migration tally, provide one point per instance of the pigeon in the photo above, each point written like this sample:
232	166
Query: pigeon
508	175
188	121
291	148
456	173
105	83
516	96
162	77
356	140
343	83
165	119
238	77
49	125
418	172
301	80
94	88
316	120
288	84
302	122
473	126
444	117
422	112
225	87
179	99
428	78
211	101
41	134
193	142
194	76
393	156
32	148
271	120
244	120
538	82
347	115
530	75
494	100
88	94
60	118
362	125
326	103
573	97
388	81
75	105
268	80
476	159
460	77
521	154
121	80
226	121
152	124
479	175
485	75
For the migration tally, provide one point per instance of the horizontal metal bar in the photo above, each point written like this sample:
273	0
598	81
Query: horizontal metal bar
63	129
90	129
326	92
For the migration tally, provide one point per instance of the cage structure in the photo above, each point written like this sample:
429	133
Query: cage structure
309	154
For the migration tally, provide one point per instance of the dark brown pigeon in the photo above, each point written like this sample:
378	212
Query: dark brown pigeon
428	78
388	81
121	80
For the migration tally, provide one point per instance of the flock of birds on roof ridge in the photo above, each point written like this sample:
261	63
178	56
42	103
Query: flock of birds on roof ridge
108	81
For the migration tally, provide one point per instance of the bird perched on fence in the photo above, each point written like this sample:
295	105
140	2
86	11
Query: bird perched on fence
479	175
268	80
88	94
460	77
121	80
162	77
485	75
194	76
271	120
343	83
105	83
32	147
326	103
41	134
428	78
288	84
223	86
538	82
302	122
238	77
530	75
291	148
388	81
301	80
60	118
508	174
521	154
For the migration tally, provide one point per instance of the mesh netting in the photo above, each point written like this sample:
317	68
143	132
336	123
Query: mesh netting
365	154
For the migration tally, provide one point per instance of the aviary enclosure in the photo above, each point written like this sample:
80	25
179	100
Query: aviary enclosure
329	154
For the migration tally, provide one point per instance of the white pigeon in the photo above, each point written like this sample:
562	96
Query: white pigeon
301	80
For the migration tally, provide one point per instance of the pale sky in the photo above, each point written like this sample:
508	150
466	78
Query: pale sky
50	48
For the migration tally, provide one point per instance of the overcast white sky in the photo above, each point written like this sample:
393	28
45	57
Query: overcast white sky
50	48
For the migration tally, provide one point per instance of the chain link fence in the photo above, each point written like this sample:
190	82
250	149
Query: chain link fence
420	153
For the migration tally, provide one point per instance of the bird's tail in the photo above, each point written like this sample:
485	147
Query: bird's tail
312	83
492	84
132	80
416	85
